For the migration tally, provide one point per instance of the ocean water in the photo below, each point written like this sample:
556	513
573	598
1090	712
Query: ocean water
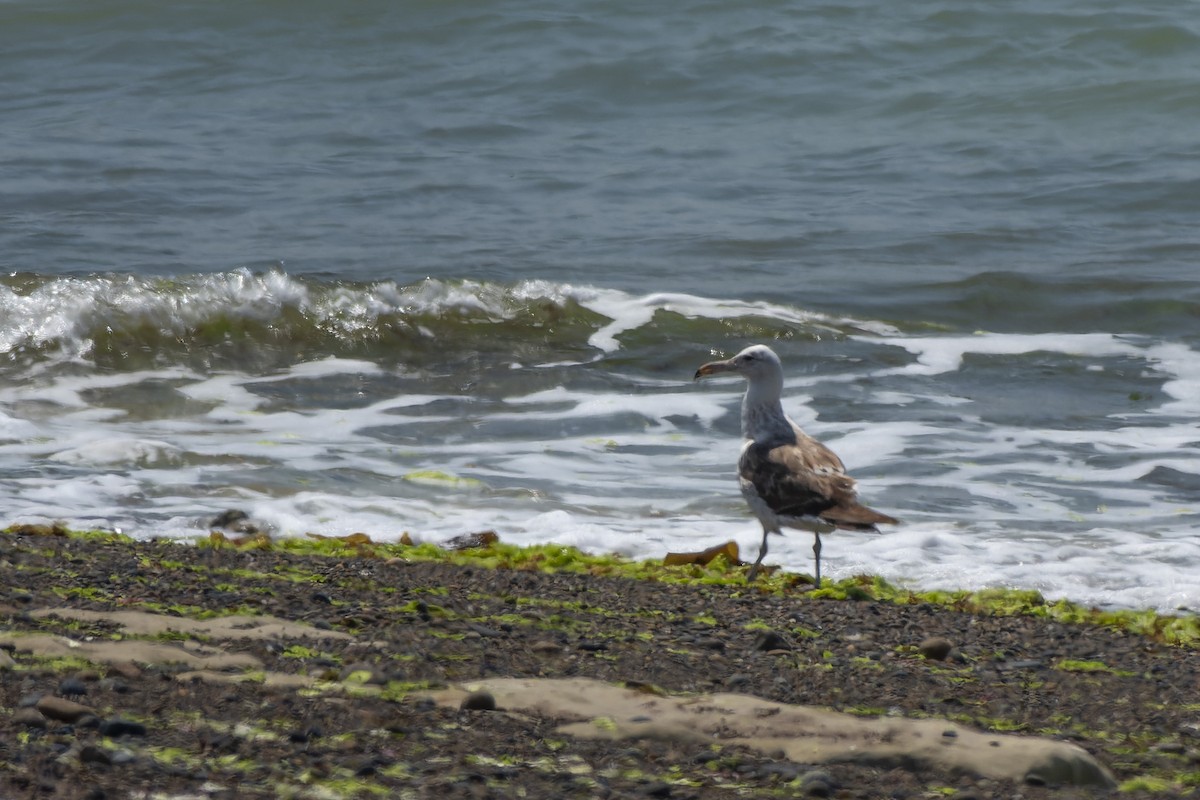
442	267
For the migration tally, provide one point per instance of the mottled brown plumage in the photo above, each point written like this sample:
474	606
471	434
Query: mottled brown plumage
806	479
787	477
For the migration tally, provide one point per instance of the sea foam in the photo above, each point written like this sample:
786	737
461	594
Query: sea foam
609	454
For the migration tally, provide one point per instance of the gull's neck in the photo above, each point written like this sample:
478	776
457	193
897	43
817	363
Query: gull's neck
763	419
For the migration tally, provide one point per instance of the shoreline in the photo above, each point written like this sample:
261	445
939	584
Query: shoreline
719	565
385	626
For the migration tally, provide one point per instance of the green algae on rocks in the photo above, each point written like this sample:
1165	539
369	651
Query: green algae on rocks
1181	630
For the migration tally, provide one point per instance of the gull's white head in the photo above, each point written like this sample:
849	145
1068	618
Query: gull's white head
756	363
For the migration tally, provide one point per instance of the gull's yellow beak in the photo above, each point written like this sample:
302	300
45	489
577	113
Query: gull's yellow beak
713	368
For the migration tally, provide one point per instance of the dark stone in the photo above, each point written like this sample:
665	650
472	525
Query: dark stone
770	640
785	770
817	783
72	687
484	630
121	727
935	648
737	681
479	701
228	518
91	754
306	734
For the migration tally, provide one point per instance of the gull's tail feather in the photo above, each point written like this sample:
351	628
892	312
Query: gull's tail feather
856	517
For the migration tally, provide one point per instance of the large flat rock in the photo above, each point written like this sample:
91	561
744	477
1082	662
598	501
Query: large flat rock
209	659
235	626
806	735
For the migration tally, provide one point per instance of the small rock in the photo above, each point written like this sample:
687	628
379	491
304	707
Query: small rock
484	630
228	517
61	709
120	757
72	687
1190	729
423	610
935	648
737	681
234	519
306	734
125	669
471	541
6	661
91	754
545	646
121	727
770	640
784	770
1170	747
479	701
817	783
29	717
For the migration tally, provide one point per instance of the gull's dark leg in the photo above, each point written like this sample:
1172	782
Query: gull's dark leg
817	555
762	553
